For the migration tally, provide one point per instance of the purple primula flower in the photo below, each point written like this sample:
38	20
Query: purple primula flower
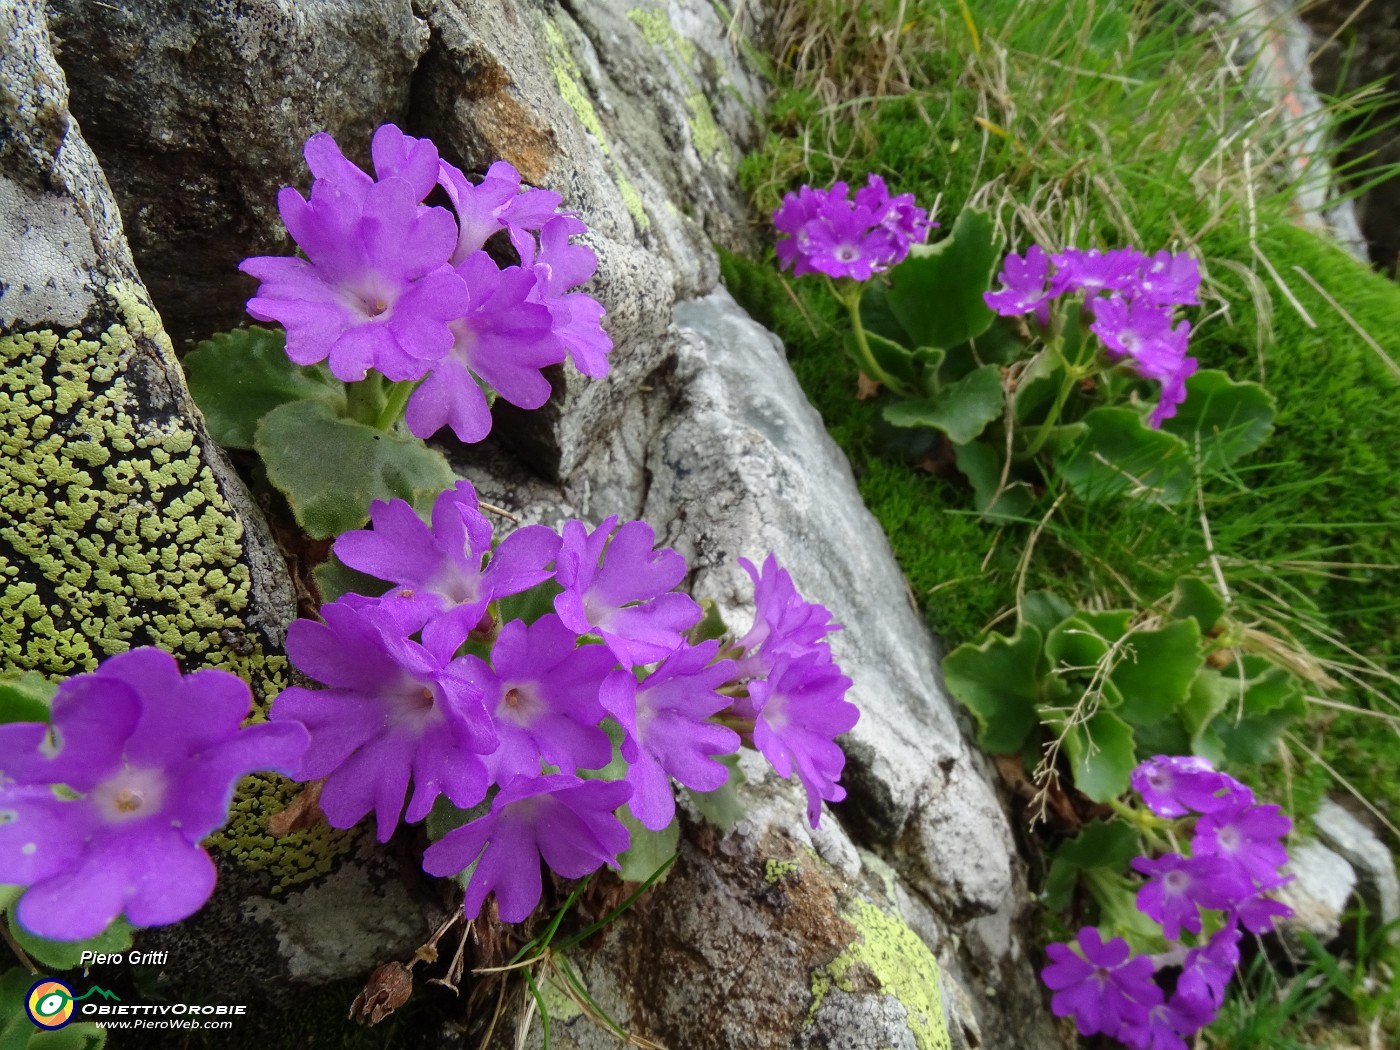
1175	785
1024	286
541	689
618	586
1179	887
1168	279
499	336
571	823
1200	989
577	317
801	710
396	711
1257	912
828	232
442	566
500	202
784	622
1144	333
1093	271
1103	986
668	734
154	757
374	290
1248	837
1163	1029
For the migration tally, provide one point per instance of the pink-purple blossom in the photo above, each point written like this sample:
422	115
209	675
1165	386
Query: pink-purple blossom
152	757
618	585
825	231
1175	785
571	823
396	711
1102	985
1178	888
665	718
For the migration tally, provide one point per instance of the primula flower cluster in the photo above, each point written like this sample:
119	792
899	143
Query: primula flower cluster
1213	894
826	231
102	809
431	691
392	284
1131	297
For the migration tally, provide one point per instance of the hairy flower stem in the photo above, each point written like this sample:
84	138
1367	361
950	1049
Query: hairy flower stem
394	402
365	399
850	299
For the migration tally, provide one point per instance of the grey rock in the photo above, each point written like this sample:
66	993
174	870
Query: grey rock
1322	885
1368	856
198	113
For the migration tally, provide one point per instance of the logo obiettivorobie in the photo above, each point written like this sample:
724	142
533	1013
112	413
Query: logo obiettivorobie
50	1003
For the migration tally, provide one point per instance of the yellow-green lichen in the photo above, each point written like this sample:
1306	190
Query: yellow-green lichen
905	968
567	77
705	134
114	532
775	870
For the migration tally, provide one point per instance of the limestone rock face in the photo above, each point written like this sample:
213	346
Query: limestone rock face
901	922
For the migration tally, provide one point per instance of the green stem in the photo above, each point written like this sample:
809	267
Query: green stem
365	398
1048	423
851	300
394	403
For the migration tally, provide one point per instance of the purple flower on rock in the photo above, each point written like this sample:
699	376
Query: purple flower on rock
499	202
374	290
668	732
541	689
499	336
154	757
1103	986
1206	972
1179	887
1175	785
617	585
801	710
825	231
396	711
1163	1029
571	823
784	622
442	565
1250	838
577	317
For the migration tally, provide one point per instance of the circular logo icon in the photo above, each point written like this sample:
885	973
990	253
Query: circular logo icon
50	1004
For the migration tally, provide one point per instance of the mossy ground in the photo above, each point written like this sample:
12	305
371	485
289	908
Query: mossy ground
1096	125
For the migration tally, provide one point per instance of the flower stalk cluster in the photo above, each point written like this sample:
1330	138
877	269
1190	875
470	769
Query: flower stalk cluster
1131	298
434	689
1203	901
391	286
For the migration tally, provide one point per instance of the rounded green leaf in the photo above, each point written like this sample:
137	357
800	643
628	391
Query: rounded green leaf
936	293
1156	671
648	850
1118	455
999	681
64	955
962	411
1102	755
331	469
238	377
1229	419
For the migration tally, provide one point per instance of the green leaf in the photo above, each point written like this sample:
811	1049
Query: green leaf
982	466
530	605
1044	609
1101	844
1209	695
962	411
875	315
1082	640
1270	701
936	293
648	850
1036	386
1230	419
711	626
1194	599
999	682
896	360
240	376
334	579
1102	755
331	469
721	807
1117	455
65	955
445	817
1156	674
26	698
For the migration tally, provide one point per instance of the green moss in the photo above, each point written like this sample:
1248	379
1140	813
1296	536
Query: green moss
902	964
777	870
114	534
